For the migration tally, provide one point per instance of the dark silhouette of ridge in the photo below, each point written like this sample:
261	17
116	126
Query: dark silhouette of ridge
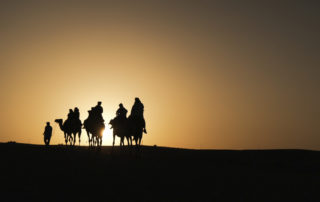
61	173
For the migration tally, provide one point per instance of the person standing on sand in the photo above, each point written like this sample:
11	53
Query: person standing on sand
47	134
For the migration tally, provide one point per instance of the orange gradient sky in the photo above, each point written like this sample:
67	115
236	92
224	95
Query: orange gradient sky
211	74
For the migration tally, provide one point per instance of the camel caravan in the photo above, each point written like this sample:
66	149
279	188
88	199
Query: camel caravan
130	128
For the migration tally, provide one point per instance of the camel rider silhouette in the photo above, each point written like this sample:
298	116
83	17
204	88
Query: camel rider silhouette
91	113
121	113
70	119
97	112
70	114
137	112
76	113
47	134
76	117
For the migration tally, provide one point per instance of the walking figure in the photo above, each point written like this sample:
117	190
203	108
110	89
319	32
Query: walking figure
47	134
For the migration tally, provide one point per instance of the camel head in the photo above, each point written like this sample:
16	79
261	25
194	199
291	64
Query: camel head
58	121
111	122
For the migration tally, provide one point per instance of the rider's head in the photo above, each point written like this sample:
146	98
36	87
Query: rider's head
121	105
70	110
48	123
137	99
76	109
99	103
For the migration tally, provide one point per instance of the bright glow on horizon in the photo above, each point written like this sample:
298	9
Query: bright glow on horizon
107	135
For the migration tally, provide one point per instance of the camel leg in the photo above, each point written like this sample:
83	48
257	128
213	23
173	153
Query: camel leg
136	140
114	137
74	138
140	138
89	140
65	138
139	142
79	136
129	140
71	140
121	141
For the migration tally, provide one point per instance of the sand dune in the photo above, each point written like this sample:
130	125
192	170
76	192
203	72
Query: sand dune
57	173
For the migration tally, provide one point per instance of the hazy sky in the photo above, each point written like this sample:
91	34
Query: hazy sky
211	74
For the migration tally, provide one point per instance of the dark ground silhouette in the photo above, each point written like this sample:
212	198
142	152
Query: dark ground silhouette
59	173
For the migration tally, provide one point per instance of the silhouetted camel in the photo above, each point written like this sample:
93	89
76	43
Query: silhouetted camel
70	129
96	130
122	130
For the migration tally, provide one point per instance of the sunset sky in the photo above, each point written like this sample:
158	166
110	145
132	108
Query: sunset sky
211	74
